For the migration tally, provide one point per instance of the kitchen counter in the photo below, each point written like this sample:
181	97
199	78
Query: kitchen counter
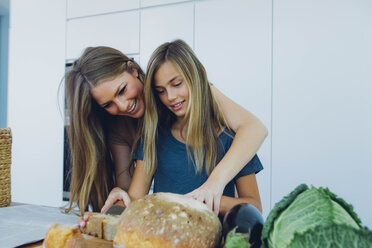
32	245
22	224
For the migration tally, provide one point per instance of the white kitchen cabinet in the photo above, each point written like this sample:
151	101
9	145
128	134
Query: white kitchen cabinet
167	23
79	8
148	3
120	31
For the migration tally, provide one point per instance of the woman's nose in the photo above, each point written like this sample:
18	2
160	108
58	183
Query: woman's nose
122	105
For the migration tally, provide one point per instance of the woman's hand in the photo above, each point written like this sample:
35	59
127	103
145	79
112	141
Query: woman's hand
209	193
115	195
84	219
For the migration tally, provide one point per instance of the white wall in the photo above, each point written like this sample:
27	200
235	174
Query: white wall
322	85
303	67
36	67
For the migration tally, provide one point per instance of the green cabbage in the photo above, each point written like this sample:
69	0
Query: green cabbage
236	240
314	217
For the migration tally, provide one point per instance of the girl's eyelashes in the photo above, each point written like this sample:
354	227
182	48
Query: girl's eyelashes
159	92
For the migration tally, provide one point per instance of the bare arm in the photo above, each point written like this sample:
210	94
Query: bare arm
121	155
250	134
247	193
140	185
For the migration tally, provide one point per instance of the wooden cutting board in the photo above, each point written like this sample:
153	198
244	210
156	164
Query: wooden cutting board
93	242
32	245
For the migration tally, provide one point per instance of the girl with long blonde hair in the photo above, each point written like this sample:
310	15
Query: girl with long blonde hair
184	134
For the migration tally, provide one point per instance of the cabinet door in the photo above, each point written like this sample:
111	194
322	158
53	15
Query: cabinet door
167	23
79	8
120	31
147	3
233	41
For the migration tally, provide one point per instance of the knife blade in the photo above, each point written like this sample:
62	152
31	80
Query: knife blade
116	209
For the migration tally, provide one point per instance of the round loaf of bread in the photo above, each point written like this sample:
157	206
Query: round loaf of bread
167	220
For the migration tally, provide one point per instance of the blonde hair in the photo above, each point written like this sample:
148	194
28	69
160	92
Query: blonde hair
92	167
203	116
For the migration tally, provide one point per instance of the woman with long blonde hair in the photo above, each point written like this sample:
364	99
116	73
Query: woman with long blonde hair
101	136
104	96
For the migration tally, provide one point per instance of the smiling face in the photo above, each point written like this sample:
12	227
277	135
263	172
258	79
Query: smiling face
121	95
172	89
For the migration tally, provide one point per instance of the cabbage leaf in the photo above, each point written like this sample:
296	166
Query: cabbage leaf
334	236
236	240
314	217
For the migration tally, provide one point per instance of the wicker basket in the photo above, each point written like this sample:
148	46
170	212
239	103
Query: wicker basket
5	161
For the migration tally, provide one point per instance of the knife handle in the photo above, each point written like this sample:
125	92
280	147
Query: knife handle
120	203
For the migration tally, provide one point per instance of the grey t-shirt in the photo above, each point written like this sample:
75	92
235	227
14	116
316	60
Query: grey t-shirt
122	131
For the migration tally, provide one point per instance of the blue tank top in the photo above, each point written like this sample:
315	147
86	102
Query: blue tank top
176	173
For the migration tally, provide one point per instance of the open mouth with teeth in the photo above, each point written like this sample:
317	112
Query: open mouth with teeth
177	106
133	107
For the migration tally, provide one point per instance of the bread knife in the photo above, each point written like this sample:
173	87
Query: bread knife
116	209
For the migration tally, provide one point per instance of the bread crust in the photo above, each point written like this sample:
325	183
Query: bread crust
168	220
60	236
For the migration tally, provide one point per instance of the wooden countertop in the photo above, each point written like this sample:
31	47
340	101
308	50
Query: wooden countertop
33	245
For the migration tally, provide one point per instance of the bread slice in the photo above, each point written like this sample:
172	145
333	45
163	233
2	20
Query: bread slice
109	226
61	236
93	226
102	226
